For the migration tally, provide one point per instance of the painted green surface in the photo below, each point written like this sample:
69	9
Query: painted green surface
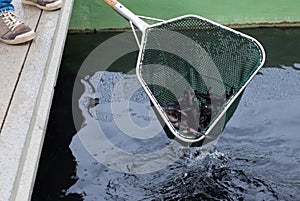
95	14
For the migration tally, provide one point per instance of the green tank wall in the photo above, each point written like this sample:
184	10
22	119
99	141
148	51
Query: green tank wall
95	14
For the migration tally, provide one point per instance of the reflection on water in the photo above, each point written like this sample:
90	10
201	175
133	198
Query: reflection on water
256	158
119	128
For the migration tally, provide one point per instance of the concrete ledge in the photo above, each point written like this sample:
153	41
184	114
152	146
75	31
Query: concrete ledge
26	116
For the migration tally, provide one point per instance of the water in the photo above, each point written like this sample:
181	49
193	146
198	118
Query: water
257	157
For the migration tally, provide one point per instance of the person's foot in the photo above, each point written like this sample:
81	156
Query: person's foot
45	4
13	30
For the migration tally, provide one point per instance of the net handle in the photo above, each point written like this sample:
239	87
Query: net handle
122	10
111	3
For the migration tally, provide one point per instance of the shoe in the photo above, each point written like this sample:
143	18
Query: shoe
45	4
13	30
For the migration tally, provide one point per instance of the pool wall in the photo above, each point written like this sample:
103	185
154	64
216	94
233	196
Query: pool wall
96	15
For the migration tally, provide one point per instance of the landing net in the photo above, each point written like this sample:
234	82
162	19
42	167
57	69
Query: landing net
195	71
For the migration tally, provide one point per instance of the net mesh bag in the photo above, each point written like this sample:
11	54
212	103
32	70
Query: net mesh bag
193	68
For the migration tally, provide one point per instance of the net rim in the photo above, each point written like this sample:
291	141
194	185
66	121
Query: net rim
230	101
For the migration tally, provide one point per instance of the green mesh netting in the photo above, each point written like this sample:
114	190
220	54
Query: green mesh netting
193	68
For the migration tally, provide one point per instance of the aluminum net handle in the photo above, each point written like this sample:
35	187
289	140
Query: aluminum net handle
122	10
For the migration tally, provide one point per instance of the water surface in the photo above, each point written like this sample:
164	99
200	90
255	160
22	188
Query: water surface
257	157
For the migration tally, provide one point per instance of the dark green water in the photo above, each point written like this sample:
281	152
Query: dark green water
256	157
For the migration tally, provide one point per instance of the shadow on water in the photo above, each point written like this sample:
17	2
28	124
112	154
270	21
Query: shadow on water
256	157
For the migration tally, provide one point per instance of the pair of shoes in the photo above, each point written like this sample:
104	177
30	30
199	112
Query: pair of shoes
45	4
14	31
